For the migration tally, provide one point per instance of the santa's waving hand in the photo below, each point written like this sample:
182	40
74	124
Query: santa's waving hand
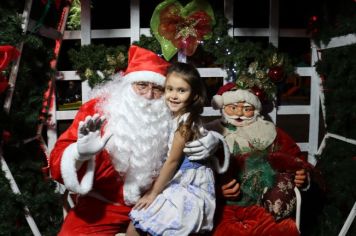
90	141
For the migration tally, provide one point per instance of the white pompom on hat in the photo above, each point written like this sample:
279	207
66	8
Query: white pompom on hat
229	93
145	65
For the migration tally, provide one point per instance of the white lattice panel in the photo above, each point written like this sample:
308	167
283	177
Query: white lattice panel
273	33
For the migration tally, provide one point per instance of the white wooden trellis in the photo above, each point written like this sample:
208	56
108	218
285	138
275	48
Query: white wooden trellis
273	33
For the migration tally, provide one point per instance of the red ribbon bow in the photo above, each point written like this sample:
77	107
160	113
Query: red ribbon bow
184	32
7	54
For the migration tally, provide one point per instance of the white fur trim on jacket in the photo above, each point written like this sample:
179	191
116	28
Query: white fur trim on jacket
69	171
147	76
222	169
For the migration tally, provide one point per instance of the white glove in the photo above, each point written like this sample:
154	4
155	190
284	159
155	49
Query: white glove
89	140
202	148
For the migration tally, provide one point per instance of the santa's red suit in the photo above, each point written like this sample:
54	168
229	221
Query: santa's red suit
108	184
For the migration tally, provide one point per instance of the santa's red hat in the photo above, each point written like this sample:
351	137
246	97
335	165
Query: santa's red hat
230	93
145	65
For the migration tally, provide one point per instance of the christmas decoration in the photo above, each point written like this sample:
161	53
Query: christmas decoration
334	20
7	54
181	28
251	64
276	74
335	199
248	64
21	152
89	63
10	25
73	22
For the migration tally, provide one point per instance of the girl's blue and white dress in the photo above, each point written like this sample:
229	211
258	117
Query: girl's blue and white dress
186	205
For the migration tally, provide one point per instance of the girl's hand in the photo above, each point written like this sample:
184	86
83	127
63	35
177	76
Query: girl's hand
145	201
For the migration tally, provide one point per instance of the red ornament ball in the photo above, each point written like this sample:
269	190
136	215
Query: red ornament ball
276	74
6	136
259	93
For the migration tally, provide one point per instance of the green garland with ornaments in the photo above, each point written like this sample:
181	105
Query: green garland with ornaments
97	63
249	64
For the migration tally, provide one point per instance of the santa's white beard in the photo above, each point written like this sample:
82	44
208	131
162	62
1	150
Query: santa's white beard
140	129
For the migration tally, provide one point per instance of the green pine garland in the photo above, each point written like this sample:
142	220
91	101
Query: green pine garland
26	159
338	160
149	43
337	165
97	63
73	22
247	62
37	193
10	25
337	67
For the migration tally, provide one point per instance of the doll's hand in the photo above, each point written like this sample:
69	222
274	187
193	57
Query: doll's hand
89	140
300	178
202	148
231	190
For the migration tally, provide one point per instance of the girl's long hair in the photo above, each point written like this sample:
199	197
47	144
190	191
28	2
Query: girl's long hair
190	128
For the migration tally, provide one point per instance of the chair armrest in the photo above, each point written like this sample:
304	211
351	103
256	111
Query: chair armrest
298	207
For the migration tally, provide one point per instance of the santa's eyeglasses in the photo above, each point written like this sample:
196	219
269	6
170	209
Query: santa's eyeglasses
236	108
145	87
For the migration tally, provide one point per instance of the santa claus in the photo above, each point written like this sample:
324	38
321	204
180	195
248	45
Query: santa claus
115	146
258	189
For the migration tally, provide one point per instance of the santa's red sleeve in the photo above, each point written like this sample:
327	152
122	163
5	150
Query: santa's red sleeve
62	157
286	155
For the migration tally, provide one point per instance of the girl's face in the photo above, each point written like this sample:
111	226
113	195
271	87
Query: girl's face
177	93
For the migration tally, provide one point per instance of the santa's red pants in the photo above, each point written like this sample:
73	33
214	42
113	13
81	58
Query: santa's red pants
94	217
252	221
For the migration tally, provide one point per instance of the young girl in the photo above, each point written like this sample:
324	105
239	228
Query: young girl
182	199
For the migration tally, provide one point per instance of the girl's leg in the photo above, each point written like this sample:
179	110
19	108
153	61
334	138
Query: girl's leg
131	230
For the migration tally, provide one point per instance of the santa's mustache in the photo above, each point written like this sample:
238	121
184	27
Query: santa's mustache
239	117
